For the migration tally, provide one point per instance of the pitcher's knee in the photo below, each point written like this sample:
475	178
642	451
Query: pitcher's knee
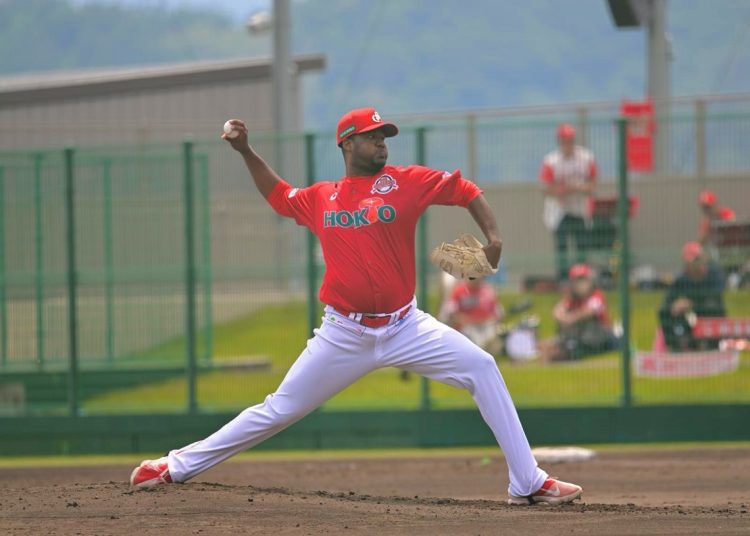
478	368
481	362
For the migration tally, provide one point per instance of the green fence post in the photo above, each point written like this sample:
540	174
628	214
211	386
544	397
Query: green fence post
422	264
207	278
312	271
70	239
38	258
3	305
624	279
189	276
108	257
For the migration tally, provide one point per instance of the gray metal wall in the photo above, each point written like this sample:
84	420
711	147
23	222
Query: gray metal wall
142	116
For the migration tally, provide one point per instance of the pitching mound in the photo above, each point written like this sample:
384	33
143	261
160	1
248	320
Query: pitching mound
631	492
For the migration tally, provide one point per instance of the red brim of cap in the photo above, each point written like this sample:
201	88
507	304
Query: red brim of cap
389	130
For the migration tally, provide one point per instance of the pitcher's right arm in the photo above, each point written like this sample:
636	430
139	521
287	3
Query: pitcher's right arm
265	178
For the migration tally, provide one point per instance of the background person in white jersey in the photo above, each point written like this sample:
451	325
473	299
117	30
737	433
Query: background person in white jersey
568	177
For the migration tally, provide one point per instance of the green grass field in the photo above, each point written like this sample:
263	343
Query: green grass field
479	453
278	333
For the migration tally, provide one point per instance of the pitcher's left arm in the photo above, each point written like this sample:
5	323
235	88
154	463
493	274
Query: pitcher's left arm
482	213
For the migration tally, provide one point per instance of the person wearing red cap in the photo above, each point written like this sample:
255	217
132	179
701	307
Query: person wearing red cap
696	291
583	323
366	224
568	176
711	212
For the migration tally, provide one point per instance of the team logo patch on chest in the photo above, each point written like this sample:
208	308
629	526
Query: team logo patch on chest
370	210
384	184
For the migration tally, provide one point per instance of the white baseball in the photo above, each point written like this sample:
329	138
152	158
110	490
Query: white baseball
230	131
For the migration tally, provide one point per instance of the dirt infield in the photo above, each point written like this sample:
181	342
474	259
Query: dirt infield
642	491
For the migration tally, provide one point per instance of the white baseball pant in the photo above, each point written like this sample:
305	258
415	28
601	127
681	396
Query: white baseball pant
343	351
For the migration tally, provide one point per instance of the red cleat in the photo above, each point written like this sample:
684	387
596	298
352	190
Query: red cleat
150	473
553	491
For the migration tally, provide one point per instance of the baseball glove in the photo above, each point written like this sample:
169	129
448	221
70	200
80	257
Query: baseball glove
463	258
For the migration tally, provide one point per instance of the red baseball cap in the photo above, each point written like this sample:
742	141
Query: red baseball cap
566	131
726	214
362	120
579	270
691	251
707	197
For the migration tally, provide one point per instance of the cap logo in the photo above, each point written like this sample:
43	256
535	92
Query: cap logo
376	117
384	184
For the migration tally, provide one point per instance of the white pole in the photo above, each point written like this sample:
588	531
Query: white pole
283	105
659	80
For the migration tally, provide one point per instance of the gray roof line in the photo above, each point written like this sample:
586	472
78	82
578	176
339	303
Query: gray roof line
75	84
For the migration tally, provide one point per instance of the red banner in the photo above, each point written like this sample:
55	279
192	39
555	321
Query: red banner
640	135
686	364
722	328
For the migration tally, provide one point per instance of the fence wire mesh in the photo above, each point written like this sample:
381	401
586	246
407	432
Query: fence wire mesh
244	287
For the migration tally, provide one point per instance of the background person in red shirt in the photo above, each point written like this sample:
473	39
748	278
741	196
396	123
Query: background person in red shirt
568	176
582	319
473	309
710	213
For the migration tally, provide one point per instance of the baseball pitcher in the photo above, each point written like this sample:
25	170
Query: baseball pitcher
366	223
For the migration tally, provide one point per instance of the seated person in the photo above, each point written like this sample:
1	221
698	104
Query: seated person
583	323
697	291
472	308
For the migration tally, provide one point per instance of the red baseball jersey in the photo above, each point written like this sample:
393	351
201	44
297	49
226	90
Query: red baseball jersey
366	227
477	302
596	302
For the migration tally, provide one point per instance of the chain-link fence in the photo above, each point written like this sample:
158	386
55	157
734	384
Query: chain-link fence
142	279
